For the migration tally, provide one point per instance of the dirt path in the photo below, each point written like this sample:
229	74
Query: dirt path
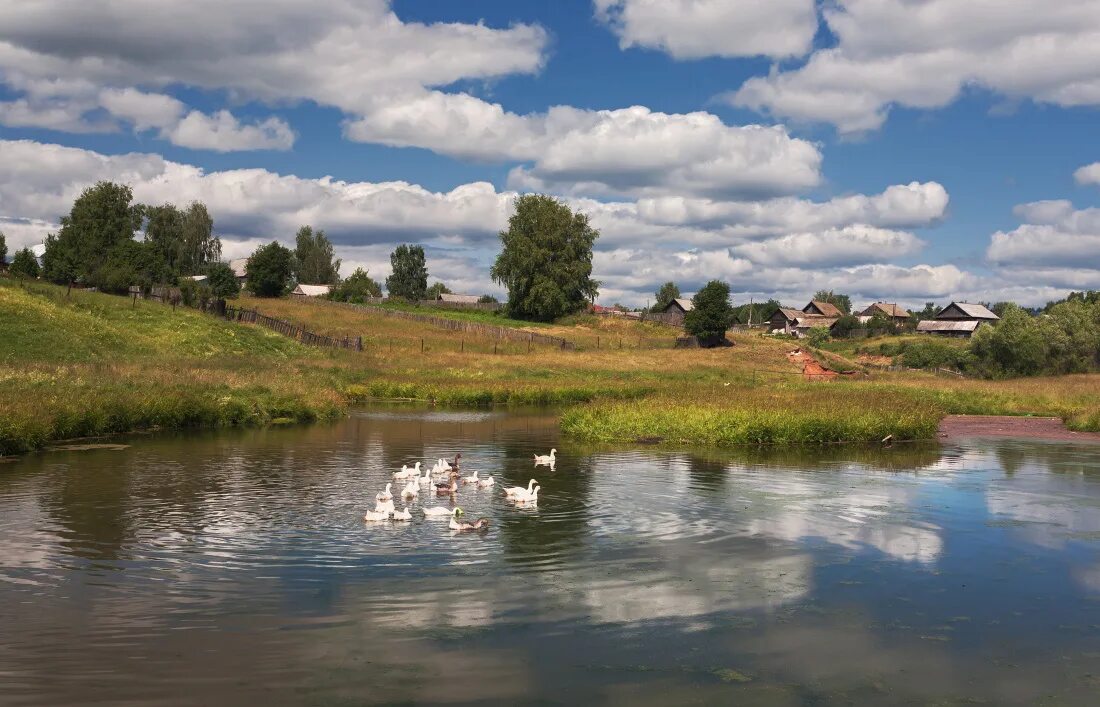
961	426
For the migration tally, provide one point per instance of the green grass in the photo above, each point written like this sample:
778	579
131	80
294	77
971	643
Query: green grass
497	318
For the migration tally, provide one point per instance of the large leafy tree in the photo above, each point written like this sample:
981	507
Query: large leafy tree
269	270
132	262
3	248
665	294
222	281
410	274
315	261
546	260
842	302
185	238
102	217
712	314
23	264
436	289
356	287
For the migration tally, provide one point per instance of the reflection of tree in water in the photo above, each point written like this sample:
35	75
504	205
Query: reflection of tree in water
708	475
1056	458
90	497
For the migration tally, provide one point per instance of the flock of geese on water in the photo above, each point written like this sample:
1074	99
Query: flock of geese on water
384	508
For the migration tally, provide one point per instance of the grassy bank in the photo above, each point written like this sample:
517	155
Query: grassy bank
95	364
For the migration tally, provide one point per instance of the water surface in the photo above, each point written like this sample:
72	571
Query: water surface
234	567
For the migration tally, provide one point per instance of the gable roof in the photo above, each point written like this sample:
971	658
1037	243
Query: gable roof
312	290
963	325
825	309
974	311
888	308
790	315
684	304
458	299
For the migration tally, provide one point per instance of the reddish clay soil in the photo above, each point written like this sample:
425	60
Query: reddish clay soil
960	426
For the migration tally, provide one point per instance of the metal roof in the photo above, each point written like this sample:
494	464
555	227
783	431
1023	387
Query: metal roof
463	299
238	266
312	290
963	325
971	310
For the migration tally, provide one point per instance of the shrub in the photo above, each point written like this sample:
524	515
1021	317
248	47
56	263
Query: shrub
712	314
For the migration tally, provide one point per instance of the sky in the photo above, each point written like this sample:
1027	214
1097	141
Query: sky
894	150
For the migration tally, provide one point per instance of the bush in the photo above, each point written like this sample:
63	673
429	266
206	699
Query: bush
269	270
817	335
222	281
24	264
356	288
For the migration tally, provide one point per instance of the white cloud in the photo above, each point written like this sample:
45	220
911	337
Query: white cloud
1089	174
144	110
222	132
692	29
1054	235
923	55
630	151
851	245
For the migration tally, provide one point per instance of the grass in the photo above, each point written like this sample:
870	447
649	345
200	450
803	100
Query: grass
94	364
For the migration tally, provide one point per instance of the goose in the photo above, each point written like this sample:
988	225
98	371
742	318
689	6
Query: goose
376	516
443	464
455	462
403	514
530	499
479	524
440	511
411	490
426	478
514	491
407	472
471	479
447	489
439	469
384	495
383	507
546	458
486	482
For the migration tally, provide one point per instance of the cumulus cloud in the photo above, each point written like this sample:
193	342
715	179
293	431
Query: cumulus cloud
1089	174
851	245
691	29
923	54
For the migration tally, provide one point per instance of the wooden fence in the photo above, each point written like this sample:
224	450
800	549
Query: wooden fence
294	331
497	332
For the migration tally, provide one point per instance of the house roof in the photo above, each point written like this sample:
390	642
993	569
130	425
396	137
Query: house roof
888	308
195	278
238	266
684	304
808	321
463	299
790	314
827	309
976	311
38	250
933	325
312	290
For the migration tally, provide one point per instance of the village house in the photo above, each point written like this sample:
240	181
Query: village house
675	310
798	323
958	319
899	315
239	267
457	299
311	291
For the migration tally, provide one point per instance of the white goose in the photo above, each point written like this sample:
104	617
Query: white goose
407	472
376	516
546	459
383	507
486	482
514	491
444	465
440	511
426	478
411	490
471	479
404	514
530	499
384	495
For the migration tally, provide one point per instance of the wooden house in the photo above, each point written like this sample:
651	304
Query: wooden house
798	323
900	315
457	299
822	309
674	311
958	319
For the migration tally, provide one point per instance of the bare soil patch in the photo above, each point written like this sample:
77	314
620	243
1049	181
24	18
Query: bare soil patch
1052	428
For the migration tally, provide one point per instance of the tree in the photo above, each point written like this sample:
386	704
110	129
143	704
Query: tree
201	248
817	335
665	294
437	289
269	270
102	217
24	264
844	326
546	259
3	249
164	232
356	287
756	312
929	312
842	302
315	261
59	261
222	281
410	274
712	314
487	299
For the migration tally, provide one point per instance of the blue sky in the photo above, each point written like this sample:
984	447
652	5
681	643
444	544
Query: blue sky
902	151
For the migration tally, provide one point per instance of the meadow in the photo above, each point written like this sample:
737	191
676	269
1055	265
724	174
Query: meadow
91	364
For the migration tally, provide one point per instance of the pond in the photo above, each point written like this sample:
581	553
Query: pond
235	567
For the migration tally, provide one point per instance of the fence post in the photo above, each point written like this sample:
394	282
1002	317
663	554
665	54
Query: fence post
359	344
597	343
494	348
463	349
421	351
134	305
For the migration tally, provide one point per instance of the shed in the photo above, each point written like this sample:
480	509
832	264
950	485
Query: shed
458	299
822	309
886	309
797	323
962	329
964	311
311	290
